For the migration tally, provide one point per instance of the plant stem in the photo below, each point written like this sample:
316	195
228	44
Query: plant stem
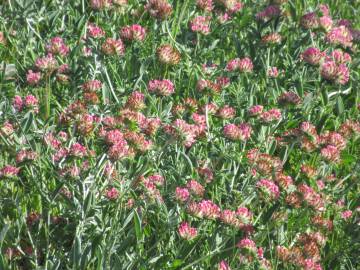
47	96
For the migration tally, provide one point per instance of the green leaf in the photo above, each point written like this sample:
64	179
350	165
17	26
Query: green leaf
26	123
3	232
137	223
76	252
339	106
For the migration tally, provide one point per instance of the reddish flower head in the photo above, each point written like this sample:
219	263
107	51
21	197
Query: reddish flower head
186	231
33	78
9	171
168	55
113	47
200	24
312	56
160	9
161	87
133	32
268	189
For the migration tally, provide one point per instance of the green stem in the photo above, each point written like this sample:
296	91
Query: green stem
47	95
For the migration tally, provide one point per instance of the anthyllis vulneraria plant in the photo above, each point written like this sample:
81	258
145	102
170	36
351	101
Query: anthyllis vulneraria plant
168	134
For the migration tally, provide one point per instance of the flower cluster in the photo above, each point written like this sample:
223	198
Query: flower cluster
207	134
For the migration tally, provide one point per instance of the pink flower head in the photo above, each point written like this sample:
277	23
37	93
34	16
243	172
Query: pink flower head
247	245
231	132
46	63
161	87
51	141
223	17
63	136
119	150
268	13
64	68
324	10
226	112
346	214
229	217
326	23
112	193
156	179
273	72
92	86
340	35
311	197
330	71
289	98
57	47
78	150
310	21
223	265
256	110
182	194
260	253
159	9
60	154
206	5
113	47
284	181
133	32
312	56
268	188
18	103
233	64
320	184
243	65
33	78
31	102
136	101
206	173
180	130
240	132
271	38
244	215
113	137
100	4
231	6
6	129
186	231
86	51
210	108
9	171
310	264
199	119
204	209
246	65
343	74
223	81
308	128
151	126
200	24
271	115
2	39
168	55
331	153
95	31
340	57
195	188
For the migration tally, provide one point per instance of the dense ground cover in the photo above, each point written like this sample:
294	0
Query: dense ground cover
179	134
